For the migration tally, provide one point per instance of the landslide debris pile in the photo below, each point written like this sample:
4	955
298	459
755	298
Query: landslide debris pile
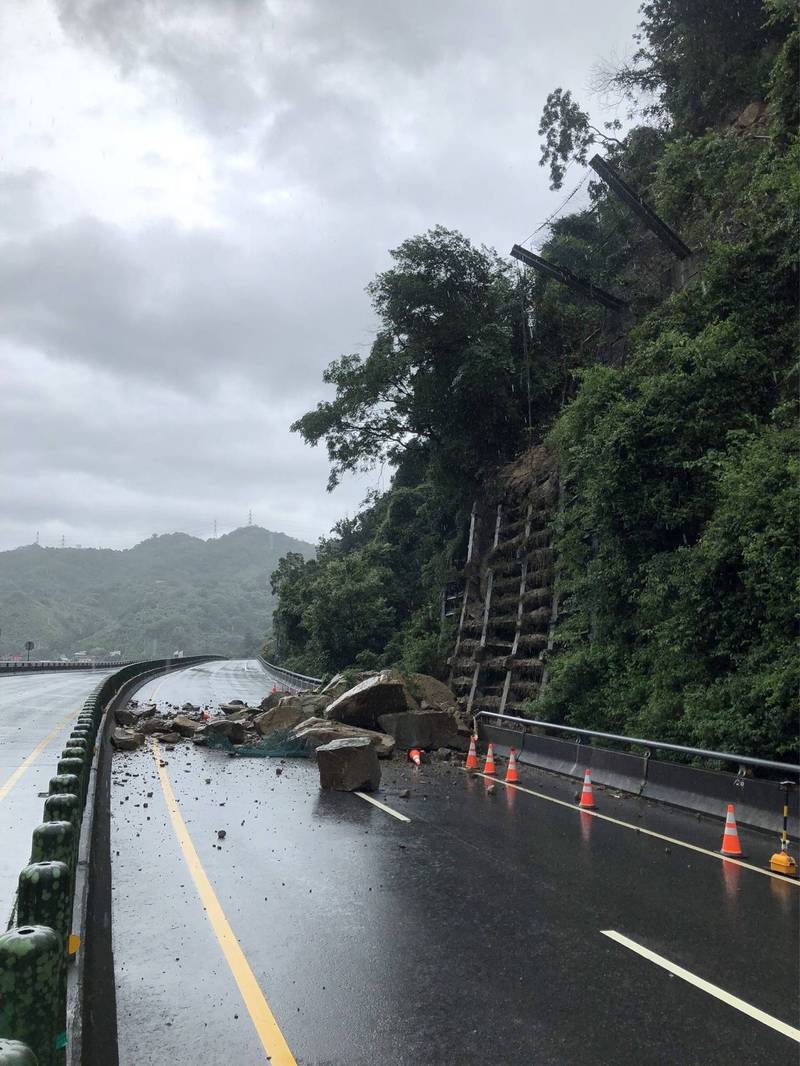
346	727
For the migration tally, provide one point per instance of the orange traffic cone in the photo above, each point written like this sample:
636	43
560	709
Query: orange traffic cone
587	796
415	756
730	838
472	756
488	766
511	772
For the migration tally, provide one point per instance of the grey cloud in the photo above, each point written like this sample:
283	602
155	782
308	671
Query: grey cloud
177	305
21	200
155	370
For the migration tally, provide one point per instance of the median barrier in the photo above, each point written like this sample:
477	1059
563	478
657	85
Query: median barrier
758	800
40	996
31	967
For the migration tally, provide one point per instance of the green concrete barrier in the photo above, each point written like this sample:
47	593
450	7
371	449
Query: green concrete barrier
44	897
62	783
54	841
65	807
14	1053
77	765
31	968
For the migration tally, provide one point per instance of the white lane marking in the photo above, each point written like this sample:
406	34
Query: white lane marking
705	986
377	803
641	829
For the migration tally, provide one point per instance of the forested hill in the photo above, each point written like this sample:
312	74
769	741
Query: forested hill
169	592
672	424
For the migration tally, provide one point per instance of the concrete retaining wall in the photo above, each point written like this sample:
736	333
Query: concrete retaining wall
759	801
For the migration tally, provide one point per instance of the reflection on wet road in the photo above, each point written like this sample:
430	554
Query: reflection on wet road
471	933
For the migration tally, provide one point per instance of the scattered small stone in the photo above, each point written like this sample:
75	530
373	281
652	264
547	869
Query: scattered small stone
221	834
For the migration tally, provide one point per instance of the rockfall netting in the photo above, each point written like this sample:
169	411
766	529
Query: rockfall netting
278	745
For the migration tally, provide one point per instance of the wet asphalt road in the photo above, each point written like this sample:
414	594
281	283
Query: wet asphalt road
470	934
37	712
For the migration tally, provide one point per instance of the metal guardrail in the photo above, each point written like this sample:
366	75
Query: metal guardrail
300	680
12	665
722	756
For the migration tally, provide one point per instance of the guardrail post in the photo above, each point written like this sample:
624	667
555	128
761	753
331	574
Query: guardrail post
31	962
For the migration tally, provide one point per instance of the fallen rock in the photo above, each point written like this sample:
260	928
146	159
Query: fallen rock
187	727
362	705
271	701
189	707
126	739
154	725
240	715
232	705
234	731
169	738
314	732
130	716
286	714
421	729
432	694
348	764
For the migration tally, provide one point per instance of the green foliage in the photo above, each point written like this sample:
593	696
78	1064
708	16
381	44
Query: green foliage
568	135
447	314
676	549
167	593
677	560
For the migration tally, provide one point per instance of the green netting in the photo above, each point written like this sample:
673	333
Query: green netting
276	745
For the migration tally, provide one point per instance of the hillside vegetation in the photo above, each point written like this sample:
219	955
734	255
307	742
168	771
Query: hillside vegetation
169	592
676	563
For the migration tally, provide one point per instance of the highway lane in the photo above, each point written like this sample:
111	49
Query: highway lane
474	932
37	712
212	683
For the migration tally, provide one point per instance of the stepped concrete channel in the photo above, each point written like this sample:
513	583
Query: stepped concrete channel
37	713
474	931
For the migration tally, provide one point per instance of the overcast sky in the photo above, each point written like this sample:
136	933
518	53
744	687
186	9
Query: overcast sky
193	195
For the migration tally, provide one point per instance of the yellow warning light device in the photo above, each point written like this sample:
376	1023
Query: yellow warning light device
782	862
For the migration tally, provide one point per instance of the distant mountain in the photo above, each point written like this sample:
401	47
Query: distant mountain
169	592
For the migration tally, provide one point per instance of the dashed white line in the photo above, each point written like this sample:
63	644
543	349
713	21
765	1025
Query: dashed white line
377	803
705	986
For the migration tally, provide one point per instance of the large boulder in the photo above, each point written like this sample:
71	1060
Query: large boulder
432	694
421	729
288	713
362	705
126	739
187	727
314	732
224	727
348	764
271	701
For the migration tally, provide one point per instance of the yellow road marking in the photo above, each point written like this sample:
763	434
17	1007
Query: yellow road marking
377	803
641	829
269	1033
706	986
9	783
